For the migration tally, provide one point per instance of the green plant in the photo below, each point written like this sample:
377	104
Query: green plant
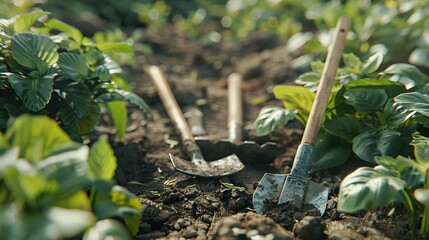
369	114
44	179
66	76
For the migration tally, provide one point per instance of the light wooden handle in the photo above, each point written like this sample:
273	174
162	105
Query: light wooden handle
235	108
170	103
325	87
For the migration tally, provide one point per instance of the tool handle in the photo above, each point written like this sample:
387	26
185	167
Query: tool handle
170	103
318	108
235	108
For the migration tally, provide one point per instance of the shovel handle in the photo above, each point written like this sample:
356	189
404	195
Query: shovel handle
170	103
318	108
235	108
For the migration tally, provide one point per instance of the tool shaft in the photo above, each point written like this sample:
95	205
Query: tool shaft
318	108
235	108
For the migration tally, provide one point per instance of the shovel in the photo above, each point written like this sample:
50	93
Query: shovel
198	166
248	151
294	187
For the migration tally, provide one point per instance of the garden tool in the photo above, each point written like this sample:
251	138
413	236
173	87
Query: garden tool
247	151
294	187
197	166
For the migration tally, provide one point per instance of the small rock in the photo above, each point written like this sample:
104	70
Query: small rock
215	205
206	218
309	228
190	233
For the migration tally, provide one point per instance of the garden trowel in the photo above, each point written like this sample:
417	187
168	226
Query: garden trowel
197	166
295	188
247	151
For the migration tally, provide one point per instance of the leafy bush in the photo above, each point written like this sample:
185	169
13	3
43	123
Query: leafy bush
65	75
369	114
44	179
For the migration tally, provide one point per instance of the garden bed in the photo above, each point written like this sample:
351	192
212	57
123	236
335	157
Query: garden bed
177	206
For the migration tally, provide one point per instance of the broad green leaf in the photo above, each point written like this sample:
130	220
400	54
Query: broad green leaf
102	161
93	58
34	51
373	63
126	96
115	47
82	125
23	22
420	56
343	127
8	158
414	101
79	200
389	142
329	152
118	112
367	188
122	203
29	134
422	195
365	146
352	63
394	115
421	152
310	80
73	66
102	72
271	119
410	167
26	187
76	95
107	229
366	100
35	93
71	31
295	97
57	223
407	74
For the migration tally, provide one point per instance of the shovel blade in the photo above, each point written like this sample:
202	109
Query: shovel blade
209	169
269	191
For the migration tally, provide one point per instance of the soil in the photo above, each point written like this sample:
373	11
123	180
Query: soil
178	206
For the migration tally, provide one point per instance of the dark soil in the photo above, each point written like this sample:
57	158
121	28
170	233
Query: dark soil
179	206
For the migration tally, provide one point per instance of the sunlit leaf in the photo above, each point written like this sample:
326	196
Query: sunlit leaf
422	195
367	188
420	56
102	161
24	21
71	31
352	63
107	229
394	115
272	118
34	92
115	47
295	97
373	63
421	152
123	95
34	51
414	101
118	111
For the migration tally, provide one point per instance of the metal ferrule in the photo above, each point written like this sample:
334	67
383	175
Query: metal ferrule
302	160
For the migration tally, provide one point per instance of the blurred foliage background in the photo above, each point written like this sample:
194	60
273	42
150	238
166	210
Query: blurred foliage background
396	27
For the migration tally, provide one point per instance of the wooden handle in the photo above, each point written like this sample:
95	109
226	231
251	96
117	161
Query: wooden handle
235	108
325	87
170	103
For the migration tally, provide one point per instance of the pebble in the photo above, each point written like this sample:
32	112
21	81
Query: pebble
190	233
215	205
206	218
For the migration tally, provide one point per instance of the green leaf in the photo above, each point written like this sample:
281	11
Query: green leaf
352	63
34	51
421	152
106	229
73	66
394	115
29	134
102	161
272	118
122	203
295	97
310	80
76	95
329	152
115	47
82	125
422	195
367	188
365	146
366	100
25	21
420	56
123	95
57	223
373	63
71	31
389	142
118	111
343	127
414	101
35	93
407	74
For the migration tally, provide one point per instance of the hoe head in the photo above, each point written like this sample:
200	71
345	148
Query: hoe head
199	167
